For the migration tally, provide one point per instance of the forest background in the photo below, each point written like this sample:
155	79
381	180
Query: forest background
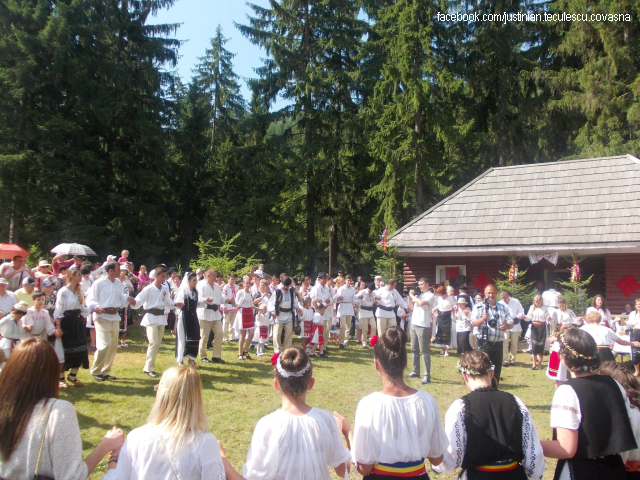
387	110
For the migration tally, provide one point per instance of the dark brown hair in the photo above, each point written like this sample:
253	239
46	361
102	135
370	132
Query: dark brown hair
30	375
624	378
391	352
604	302
294	359
37	294
476	361
579	351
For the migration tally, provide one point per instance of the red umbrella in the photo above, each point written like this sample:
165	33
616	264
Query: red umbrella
9	250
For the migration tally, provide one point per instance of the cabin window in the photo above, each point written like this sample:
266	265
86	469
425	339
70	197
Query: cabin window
451	273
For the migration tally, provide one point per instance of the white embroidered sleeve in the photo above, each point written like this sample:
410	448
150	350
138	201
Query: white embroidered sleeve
456	433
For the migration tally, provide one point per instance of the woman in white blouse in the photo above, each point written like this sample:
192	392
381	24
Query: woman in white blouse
37	429
491	433
598	304
539	317
399	427
175	443
446	331
633	324
297	442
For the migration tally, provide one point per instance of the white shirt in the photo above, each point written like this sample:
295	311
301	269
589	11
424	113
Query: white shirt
422	313
10	330
144	455
7	301
566	413
389	298
292	447
516	309
244	299
107	294
15	282
397	429
229	292
204	291
463	319
67	300
550	298
345	306
633	321
634	417
283	317
41	322
603	336
605	315
366	299
85	285
154	297
538	315
566	318
320	294
445	304
62	450
454	424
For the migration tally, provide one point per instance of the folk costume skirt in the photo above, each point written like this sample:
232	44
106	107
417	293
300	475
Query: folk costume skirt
635	352
443	336
247	319
538	338
317	335
74	340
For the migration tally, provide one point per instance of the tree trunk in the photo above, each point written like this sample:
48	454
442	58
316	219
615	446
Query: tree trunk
417	159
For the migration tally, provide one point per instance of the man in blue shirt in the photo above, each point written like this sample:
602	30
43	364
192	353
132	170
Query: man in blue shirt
489	327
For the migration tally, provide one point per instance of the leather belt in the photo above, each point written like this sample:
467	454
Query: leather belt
110	311
364	307
213	307
386	309
155	311
285	310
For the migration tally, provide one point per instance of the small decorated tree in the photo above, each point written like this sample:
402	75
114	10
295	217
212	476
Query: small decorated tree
513	281
574	290
389	265
221	257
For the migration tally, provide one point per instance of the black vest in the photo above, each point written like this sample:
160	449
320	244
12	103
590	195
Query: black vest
493	422
279	295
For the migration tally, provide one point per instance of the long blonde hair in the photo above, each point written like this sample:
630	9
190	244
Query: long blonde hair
78	292
179	409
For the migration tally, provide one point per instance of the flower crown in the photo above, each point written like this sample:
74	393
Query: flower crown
574	352
275	360
468	371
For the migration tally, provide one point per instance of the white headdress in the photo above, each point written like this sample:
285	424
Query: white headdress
286	374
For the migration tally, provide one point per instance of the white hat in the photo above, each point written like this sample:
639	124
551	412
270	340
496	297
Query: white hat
258	273
462	300
43	263
21	307
3	281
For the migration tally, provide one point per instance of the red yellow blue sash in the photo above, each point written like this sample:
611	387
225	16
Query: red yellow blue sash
400	469
503	466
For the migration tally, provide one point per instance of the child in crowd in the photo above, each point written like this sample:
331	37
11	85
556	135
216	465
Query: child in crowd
402	316
317	331
11	328
262	319
307	324
124	256
143	278
297	441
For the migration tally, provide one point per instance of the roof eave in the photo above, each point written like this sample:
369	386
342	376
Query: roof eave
521	250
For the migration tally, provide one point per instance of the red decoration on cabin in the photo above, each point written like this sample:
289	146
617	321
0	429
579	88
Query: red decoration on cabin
481	281
628	285
452	272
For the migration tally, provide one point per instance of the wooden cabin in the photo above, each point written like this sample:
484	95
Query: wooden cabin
588	207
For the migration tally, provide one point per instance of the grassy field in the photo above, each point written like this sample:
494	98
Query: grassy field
237	394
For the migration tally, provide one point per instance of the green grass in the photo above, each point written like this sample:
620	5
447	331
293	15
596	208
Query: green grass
237	394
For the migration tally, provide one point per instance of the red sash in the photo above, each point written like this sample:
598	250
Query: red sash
554	364
317	334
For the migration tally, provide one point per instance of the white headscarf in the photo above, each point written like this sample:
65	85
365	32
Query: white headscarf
183	290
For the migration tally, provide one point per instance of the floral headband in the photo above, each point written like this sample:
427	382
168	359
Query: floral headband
285	373
468	371
574	352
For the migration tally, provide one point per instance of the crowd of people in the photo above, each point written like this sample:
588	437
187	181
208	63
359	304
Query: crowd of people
397	432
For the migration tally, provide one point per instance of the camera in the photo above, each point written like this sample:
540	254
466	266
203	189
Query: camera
492	322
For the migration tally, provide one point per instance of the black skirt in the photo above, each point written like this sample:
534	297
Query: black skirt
443	337
606	355
463	342
635	352
74	340
191	332
538	339
605	468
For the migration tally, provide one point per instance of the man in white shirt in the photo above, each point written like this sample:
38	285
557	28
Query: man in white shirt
15	272
321	294
229	295
365	299
345	299
421	325
210	316
283	304
104	299
155	298
7	299
511	335
388	297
